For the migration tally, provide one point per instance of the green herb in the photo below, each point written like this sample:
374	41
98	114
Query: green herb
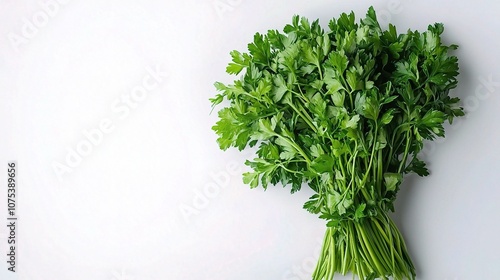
345	111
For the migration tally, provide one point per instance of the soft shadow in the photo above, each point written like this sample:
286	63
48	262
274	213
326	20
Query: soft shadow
403	207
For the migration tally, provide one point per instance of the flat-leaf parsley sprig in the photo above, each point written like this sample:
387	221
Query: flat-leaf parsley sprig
345	111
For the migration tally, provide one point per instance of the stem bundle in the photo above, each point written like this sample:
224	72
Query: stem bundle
371	248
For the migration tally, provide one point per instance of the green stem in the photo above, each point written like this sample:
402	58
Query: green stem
342	171
320	71
371	247
306	118
370	253
407	149
296	147
288	170
371	156
353	171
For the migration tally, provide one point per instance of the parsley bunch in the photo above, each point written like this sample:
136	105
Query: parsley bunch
345	111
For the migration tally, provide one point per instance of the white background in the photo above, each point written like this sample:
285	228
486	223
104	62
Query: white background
154	198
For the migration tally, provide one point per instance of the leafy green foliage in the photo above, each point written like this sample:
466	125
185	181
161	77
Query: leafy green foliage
345	111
